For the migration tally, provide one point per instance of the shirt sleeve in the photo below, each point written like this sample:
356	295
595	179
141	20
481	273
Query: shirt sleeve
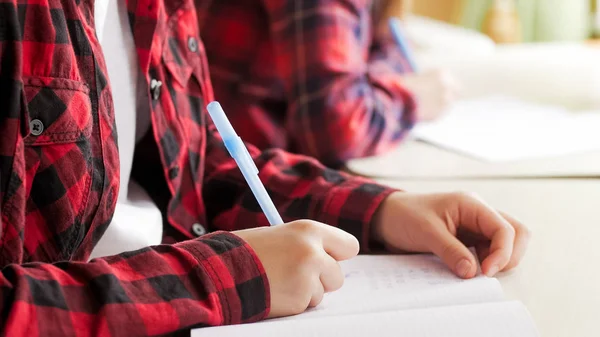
300	186
344	89
214	280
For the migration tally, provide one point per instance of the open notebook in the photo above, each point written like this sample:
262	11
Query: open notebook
408	295
500	129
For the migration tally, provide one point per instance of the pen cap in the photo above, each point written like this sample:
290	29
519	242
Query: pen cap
233	143
239	152
221	122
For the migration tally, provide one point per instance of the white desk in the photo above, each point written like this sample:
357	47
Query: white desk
414	159
559	279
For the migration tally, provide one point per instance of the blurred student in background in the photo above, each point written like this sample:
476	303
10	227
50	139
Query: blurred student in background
317	77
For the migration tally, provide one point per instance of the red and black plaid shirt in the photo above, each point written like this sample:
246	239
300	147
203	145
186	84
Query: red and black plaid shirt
308	76
59	180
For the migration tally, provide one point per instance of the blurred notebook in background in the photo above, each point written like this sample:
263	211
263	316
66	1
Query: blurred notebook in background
400	295
499	129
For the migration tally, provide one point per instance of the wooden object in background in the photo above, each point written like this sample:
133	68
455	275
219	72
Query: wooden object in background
444	10
395	8
383	10
540	20
502	23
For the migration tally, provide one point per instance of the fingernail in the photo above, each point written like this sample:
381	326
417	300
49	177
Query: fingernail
463	267
493	270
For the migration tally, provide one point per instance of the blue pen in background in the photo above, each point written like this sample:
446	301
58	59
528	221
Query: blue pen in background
239	153
396	28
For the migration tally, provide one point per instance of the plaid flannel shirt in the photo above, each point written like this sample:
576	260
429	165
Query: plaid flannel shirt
308	76
59	182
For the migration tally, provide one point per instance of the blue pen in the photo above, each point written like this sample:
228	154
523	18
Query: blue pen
239	153
396	29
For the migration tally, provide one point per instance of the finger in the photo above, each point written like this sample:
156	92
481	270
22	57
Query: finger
454	254
332	277
476	216
338	244
317	295
522	237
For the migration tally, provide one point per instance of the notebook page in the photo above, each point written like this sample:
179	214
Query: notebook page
499	129
500	319
376	283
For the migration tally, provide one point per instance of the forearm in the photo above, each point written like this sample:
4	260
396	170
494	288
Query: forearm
356	115
300	187
345	98
210	281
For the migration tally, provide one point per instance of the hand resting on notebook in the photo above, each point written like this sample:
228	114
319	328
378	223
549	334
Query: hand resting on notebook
301	262
445	224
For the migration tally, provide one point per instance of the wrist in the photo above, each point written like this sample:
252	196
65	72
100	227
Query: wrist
379	220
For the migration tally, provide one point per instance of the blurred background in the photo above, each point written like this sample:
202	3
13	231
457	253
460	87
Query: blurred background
525	20
538	50
524	135
529	100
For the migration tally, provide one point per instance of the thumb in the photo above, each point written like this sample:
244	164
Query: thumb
455	255
338	244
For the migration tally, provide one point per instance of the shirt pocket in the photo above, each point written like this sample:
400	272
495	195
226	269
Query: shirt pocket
52	168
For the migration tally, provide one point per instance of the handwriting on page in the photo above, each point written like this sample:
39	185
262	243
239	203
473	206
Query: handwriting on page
396	273
379	279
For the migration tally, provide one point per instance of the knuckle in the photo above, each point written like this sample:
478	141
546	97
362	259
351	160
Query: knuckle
473	196
464	196
299	306
511	230
308	255
528	233
334	278
337	285
316	299
305	227
524	233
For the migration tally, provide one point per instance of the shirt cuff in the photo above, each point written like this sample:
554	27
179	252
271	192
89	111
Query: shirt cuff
352	205
235	275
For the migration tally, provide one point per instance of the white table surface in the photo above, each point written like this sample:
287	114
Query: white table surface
559	279
415	159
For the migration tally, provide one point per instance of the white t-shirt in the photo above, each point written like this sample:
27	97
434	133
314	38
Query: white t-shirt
137	222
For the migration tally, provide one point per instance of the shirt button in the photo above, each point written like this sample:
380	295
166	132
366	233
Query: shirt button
198	229
193	44
155	88
36	127
173	172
